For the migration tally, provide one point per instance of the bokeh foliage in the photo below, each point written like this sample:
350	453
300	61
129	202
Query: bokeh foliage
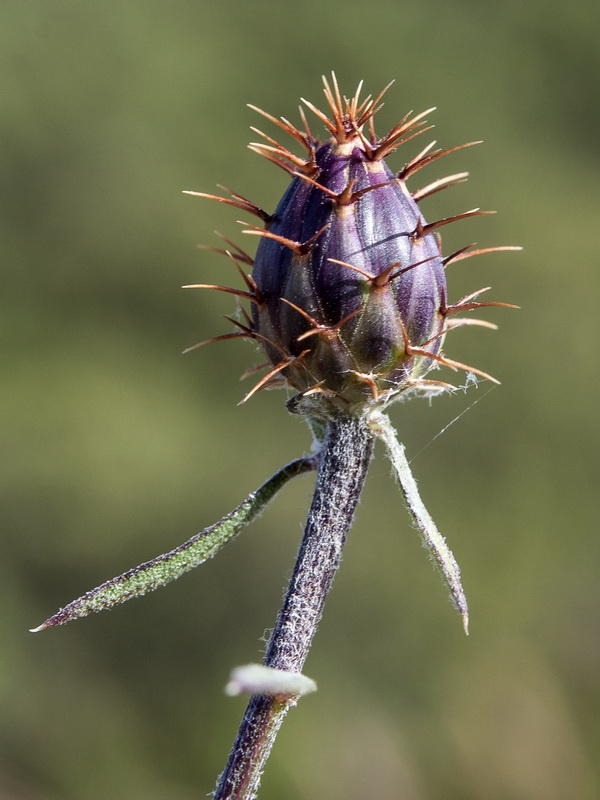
115	448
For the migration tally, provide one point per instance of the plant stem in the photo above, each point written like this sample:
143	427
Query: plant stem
344	461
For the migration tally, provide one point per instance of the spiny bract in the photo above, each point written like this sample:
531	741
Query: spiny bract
348	287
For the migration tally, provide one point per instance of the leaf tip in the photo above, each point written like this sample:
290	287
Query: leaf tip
465	622
41	627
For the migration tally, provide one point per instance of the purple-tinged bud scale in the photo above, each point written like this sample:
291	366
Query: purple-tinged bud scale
360	318
348	283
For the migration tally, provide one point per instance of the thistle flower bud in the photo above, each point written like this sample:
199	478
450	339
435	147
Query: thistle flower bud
348	283
353	283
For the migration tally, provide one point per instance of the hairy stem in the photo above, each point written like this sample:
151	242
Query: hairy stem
343	466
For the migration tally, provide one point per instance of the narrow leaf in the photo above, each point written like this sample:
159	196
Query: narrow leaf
432	538
167	567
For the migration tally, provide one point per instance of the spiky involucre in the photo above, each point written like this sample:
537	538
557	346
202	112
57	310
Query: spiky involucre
348	284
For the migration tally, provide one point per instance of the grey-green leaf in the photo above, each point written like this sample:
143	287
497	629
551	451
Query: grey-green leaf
432	538
167	567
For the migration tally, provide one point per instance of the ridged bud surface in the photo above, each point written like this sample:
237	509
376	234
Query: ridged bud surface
359	325
347	287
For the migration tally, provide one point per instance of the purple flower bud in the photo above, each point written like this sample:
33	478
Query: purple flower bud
352	326
348	284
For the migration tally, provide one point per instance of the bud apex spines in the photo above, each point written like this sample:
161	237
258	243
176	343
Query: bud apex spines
348	290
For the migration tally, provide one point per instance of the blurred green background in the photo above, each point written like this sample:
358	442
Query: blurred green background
116	448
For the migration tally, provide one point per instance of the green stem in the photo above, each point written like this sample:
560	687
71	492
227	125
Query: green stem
343	466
